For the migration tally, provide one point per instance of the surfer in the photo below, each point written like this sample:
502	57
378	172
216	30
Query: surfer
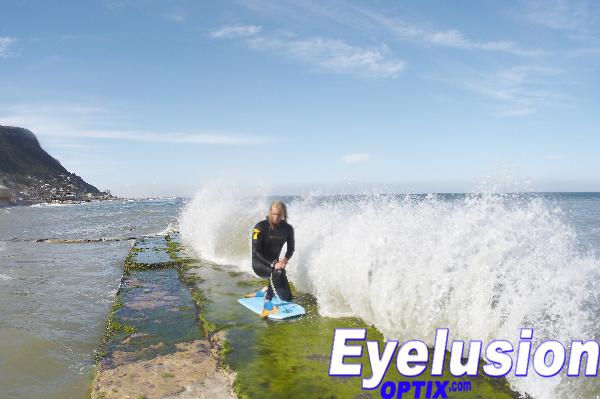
268	237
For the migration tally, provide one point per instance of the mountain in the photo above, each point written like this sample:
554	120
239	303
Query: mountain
32	175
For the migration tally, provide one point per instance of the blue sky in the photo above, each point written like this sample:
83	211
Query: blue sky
152	97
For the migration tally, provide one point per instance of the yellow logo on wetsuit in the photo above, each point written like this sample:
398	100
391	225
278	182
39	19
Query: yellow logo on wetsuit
255	236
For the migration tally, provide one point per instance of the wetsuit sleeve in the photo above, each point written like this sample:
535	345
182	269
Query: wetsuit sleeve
291	244
257	243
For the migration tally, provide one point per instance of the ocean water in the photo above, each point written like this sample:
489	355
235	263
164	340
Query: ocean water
482	265
55	297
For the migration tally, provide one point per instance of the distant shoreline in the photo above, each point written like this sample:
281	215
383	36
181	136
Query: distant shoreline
57	202
4	204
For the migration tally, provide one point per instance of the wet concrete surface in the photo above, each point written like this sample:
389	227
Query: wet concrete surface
154	346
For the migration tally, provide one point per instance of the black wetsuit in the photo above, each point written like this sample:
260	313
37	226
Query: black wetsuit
266	246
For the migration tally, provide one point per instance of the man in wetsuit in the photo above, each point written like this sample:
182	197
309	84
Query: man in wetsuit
268	238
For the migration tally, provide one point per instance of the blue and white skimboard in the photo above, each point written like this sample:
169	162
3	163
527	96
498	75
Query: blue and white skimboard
281	309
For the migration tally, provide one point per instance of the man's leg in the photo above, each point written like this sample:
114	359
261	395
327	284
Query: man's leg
282	285
269	294
268	307
263	270
260	293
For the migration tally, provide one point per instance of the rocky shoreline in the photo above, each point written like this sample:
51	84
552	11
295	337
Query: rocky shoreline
9	203
51	189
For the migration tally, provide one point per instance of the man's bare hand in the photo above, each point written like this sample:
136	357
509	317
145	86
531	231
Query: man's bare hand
280	265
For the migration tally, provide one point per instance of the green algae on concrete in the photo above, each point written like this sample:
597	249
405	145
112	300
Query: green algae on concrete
151	251
290	359
287	359
160	310
184	264
154	341
152	311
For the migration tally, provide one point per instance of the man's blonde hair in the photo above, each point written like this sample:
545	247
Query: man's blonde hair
281	206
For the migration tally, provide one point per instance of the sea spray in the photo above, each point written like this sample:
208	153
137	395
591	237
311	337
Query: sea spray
482	265
218	222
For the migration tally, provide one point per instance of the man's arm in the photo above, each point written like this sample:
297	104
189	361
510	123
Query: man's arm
291	245
257	245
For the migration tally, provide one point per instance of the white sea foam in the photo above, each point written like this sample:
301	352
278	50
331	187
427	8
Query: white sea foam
483	265
170	227
5	277
216	222
50	205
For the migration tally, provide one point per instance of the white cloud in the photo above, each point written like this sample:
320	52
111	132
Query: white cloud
374	23
78	122
175	15
532	74
585	51
454	38
327	54
451	38
229	32
569	15
520	90
448	38
114	4
511	47
333	55
342	57
172	137
5	44
516	111
357	157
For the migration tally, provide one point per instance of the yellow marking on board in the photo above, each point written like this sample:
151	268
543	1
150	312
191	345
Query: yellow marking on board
266	312
255	236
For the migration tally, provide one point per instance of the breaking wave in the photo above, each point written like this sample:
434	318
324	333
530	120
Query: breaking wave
483	265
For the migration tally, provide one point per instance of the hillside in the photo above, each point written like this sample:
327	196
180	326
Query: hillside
32	175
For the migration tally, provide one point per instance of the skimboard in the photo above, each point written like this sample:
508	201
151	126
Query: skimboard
285	309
